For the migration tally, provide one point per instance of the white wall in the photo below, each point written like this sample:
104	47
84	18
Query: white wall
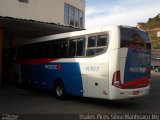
38	10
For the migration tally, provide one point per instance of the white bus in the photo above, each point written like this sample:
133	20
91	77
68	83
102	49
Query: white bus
108	63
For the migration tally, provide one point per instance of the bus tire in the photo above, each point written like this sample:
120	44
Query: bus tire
59	90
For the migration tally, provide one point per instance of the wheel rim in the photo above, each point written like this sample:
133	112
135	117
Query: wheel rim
59	90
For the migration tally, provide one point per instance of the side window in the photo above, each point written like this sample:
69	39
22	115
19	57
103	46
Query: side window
102	40
32	51
47	50
27	52
63	48
97	44
77	47
55	51
40	51
43	50
91	47
59	48
80	47
92	41
72	48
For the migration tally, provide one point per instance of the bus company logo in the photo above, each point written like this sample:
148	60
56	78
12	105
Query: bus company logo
138	69
143	55
59	67
53	67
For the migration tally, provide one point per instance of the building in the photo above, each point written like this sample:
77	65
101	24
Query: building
21	19
158	34
63	12
155	58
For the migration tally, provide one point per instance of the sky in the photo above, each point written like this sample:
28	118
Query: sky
119	12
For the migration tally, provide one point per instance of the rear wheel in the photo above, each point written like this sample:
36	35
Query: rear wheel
59	90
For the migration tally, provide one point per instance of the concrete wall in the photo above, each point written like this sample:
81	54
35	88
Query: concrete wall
38	10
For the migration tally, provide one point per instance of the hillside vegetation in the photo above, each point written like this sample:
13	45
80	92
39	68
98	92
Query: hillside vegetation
152	23
152	26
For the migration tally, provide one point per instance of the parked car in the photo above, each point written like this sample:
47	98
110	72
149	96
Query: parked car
157	69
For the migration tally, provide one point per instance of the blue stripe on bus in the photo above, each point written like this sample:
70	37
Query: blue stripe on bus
46	73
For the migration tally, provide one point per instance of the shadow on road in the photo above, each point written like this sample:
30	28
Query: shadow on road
40	100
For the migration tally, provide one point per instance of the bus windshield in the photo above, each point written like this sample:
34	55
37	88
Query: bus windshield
134	38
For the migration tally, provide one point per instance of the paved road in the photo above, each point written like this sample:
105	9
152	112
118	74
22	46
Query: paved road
31	101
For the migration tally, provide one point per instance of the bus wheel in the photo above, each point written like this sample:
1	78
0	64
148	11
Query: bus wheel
59	90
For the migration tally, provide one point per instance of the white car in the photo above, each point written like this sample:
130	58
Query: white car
157	69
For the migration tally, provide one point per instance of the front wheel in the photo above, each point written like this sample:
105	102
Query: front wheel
59	90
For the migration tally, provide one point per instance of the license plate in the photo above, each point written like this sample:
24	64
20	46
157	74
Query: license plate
135	92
